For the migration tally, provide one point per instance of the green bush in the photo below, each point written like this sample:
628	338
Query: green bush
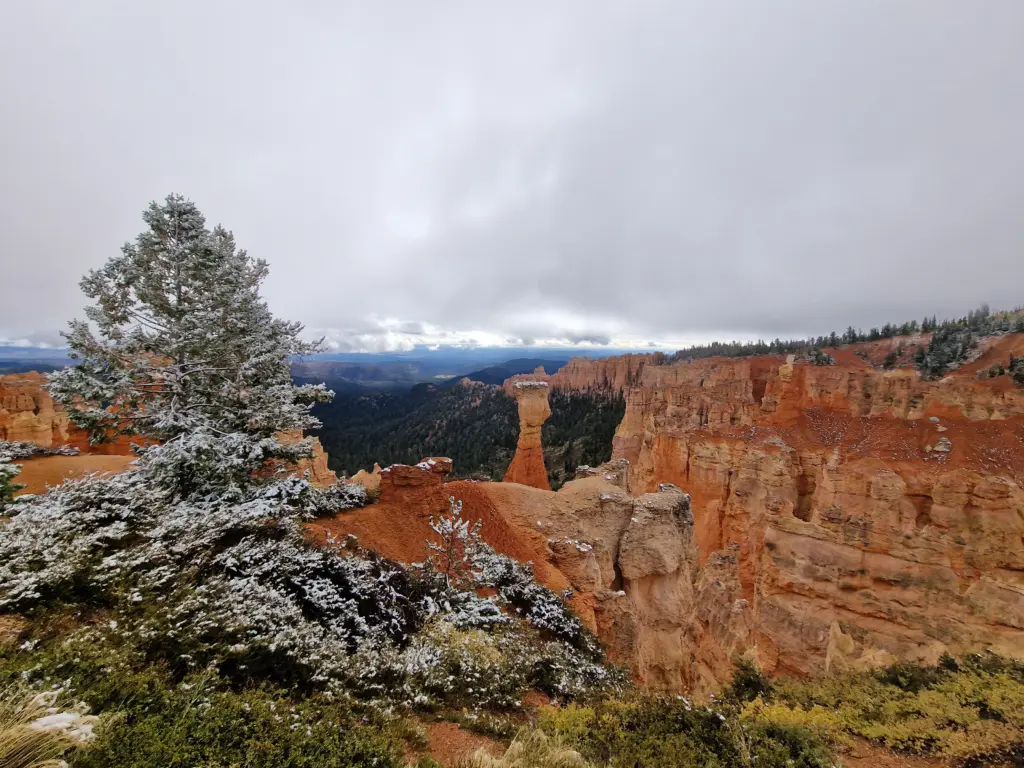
650	732
153	718
260	728
748	682
970	711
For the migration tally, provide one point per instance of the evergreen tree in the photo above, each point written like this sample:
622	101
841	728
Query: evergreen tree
187	354
459	543
8	471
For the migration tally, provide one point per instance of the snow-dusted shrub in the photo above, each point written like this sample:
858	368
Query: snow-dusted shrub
546	611
343	496
467	666
235	584
15	449
453	557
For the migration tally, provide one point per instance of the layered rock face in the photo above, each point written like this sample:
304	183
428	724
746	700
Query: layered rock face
417	488
28	413
527	467
631	563
870	515
635	565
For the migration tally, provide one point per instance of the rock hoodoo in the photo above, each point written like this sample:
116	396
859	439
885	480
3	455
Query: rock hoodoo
527	466
319	473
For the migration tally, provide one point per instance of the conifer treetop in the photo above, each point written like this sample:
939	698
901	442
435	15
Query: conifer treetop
179	347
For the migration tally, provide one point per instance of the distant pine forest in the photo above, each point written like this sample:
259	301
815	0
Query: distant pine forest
476	426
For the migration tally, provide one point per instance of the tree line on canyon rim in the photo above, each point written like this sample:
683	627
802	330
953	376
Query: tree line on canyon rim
177	614
950	343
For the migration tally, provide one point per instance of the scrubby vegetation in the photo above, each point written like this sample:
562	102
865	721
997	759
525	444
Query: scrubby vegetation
950	344
156	716
1014	369
968	710
650	731
579	431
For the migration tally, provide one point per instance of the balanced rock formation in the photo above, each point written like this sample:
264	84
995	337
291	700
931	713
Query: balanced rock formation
869	514
527	467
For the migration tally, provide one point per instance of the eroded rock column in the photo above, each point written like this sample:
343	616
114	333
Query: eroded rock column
527	466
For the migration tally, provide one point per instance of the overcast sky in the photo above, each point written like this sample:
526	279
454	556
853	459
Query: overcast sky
522	171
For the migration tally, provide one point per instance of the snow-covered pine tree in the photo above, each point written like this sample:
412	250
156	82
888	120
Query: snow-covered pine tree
187	353
459	543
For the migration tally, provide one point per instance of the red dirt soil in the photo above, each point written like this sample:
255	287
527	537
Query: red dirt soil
997	350
46	471
400	533
449	743
866	755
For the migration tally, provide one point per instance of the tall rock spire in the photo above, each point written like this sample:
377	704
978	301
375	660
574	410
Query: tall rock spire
527	466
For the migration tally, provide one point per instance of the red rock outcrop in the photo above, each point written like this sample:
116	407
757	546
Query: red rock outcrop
319	473
28	413
870	514
631	562
418	488
369	480
527	467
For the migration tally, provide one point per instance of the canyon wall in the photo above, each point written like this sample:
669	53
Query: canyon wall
28	413
871	515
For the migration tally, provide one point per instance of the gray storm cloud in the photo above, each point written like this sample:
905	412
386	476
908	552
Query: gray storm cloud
453	172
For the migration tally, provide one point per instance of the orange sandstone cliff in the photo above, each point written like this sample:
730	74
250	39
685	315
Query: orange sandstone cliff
527	466
28	413
813	517
869	514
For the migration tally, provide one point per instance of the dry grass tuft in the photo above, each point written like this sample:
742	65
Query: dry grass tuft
33	734
531	749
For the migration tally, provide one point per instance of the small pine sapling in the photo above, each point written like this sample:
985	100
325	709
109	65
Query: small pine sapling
459	544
